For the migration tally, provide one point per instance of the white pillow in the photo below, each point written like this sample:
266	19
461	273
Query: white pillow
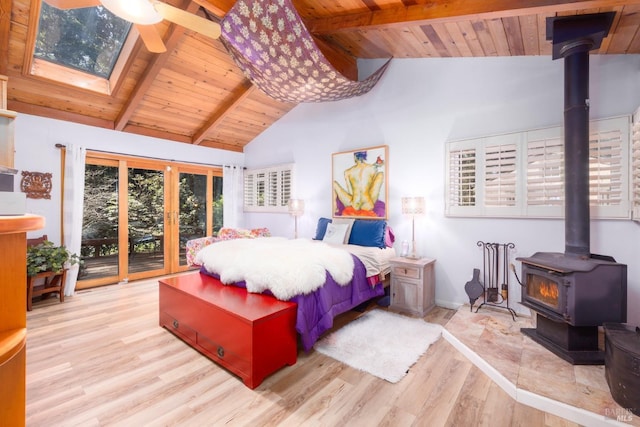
349	222
335	233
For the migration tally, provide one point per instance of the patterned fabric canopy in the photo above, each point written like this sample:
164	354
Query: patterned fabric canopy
271	44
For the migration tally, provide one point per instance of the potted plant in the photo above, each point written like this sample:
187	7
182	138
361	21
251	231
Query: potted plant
47	257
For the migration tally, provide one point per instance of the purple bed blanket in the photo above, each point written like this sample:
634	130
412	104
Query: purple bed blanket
317	309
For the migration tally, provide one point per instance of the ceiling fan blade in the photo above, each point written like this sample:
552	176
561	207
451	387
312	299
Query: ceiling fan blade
72	4
151	38
188	20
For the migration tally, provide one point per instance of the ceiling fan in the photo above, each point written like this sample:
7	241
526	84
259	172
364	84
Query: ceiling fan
143	14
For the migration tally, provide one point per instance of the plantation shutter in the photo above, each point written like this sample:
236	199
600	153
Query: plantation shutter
249	190
461	178
608	168
500	175
273	188
268	189
522	174
260	189
545	172
605	185
285	187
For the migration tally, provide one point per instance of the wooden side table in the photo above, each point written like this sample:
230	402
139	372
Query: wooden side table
413	285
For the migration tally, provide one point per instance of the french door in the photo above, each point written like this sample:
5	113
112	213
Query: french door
139	214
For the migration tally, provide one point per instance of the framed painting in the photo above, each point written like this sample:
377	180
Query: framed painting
359	187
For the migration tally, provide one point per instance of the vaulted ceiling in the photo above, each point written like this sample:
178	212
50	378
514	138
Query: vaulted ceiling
195	94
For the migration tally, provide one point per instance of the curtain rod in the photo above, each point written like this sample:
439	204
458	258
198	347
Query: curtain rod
58	145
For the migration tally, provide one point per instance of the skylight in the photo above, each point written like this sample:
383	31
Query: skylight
88	39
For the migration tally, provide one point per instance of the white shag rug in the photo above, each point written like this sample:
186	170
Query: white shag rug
382	343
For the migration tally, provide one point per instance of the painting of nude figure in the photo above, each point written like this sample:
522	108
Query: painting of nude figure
360	183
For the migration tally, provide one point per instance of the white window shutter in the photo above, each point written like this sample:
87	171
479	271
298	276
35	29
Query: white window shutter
545	172
268	189
461	178
249	189
522	174
500	178
608	168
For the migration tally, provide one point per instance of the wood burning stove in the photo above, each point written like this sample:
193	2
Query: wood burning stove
572	297
578	291
575	292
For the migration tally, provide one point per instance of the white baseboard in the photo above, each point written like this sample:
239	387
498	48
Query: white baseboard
449	304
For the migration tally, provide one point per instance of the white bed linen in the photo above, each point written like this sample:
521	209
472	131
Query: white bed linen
375	260
285	267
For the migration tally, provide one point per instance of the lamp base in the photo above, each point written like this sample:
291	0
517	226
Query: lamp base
414	251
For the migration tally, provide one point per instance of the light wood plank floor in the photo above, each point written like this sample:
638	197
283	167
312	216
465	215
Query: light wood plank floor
100	359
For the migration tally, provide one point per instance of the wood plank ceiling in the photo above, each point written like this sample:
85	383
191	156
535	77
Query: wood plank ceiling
195	94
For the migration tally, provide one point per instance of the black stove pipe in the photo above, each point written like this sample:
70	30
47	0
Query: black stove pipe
576	150
572	39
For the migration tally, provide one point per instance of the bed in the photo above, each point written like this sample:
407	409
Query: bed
341	268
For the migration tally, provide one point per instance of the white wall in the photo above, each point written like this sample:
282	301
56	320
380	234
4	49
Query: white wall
35	141
417	106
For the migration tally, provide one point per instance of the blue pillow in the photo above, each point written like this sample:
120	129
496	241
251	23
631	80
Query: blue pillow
368	233
321	228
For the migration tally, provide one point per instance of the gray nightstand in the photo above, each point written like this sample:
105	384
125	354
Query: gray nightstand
413	285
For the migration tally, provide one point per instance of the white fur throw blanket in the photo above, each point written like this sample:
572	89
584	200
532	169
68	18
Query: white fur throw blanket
284	267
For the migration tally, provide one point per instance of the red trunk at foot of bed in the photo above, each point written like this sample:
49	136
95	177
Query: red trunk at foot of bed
251	335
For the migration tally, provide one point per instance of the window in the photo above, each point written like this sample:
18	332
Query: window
545	172
500	172
87	39
522	174
268	189
82	46
462	177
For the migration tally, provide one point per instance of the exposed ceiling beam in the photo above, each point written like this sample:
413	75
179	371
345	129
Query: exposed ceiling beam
154	133
175	33
238	96
451	11
52	113
217	7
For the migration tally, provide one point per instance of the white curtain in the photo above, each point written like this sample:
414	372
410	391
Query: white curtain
72	202
232	195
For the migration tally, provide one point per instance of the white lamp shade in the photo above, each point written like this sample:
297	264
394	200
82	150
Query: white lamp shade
136	11
296	207
413	205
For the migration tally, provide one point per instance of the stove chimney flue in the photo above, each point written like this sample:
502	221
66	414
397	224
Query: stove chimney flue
573	38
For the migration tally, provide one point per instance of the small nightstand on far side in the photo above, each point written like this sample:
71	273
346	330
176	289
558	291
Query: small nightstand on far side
413	285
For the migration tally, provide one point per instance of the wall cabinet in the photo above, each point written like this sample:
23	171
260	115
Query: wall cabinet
7	149
6	128
413	285
13	315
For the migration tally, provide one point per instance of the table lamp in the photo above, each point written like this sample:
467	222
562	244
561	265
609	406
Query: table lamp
413	206
296	209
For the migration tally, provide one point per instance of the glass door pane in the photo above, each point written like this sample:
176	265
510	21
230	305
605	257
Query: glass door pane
217	208
192	210
99	247
146	207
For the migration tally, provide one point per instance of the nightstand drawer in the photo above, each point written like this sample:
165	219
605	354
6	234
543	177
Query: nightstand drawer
407	271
